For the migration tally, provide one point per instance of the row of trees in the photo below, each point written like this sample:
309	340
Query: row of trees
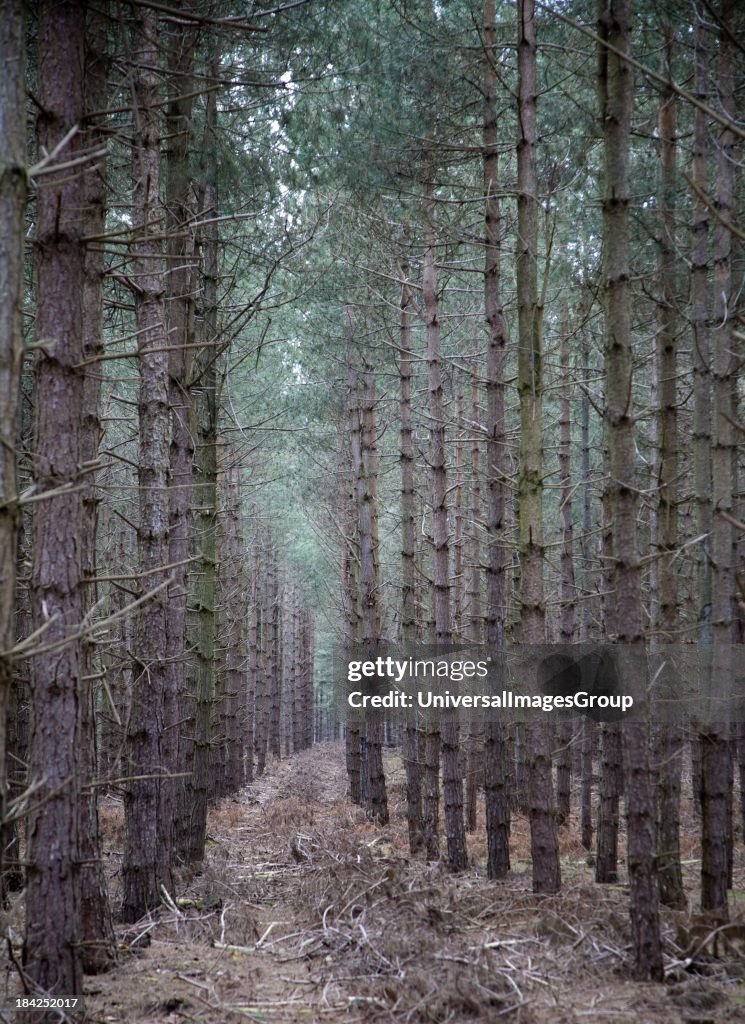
153	642
611	335
423	297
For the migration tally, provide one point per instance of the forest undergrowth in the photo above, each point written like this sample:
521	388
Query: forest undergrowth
305	911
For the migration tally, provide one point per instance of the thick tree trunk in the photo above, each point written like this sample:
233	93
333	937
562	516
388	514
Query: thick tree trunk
51	954
716	798
147	860
543	840
615	87
12	205
99	949
180	285
206	400
699	280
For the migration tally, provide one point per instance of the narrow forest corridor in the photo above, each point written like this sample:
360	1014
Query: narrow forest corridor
307	912
372	511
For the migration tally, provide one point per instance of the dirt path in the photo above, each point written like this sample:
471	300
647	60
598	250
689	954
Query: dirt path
305	912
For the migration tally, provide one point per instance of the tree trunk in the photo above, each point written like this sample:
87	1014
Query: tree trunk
588	745
253	658
99	949
231	632
217	773
716	803
51	953
263	695
543	840
147	861
180	284
295	678
367	510
12	206
206	400
615	87
452	782
669	737
589	730
475	772
350	574
413	735
567	588
311	702
611	788
457	576
495	787
275	661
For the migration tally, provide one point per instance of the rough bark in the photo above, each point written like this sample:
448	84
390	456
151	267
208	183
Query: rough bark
12	205
458	532
217	771
99	949
715	760
147	839
615	88
232	634
543	838
567	587
701	341
588	726
588	745
350	578
475	771
51	953
180	285
367	513
495	785
206	400
669	737
452	782
611	788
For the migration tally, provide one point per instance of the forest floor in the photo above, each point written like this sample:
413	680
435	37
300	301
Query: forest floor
304	911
